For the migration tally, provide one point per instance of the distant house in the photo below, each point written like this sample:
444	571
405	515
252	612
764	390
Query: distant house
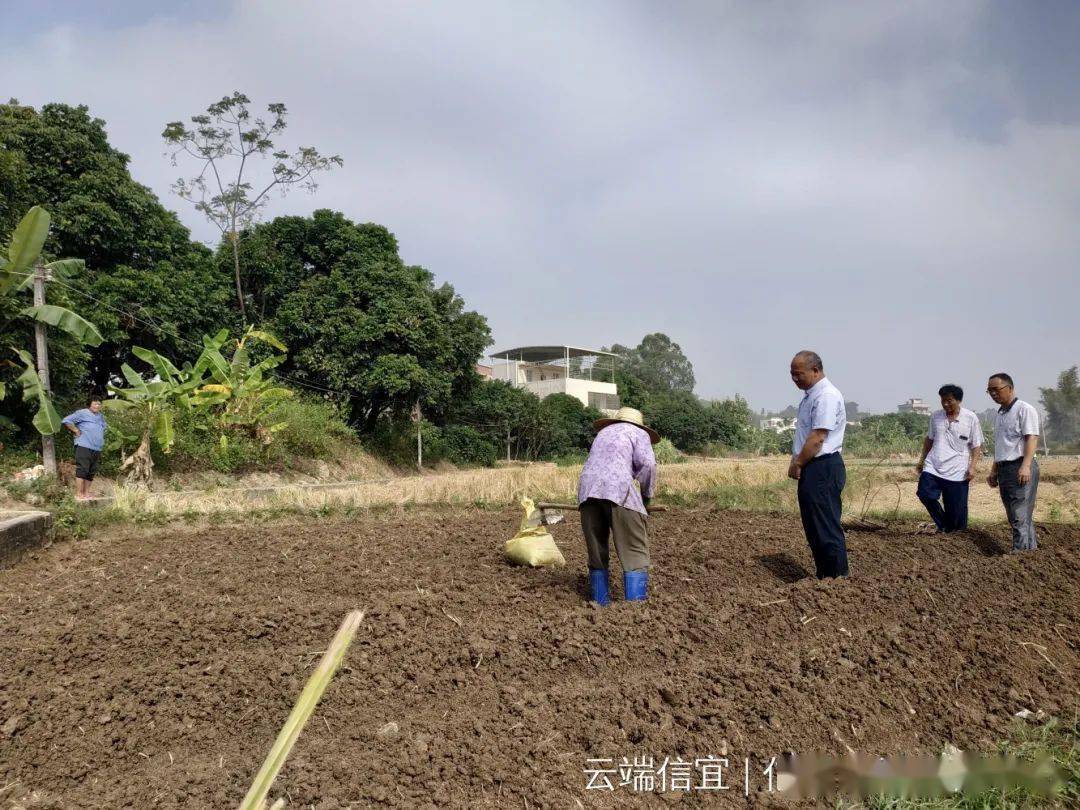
587	374
483	371
914	405
778	424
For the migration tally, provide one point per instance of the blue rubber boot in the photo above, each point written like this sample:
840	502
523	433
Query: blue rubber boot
635	585
600	582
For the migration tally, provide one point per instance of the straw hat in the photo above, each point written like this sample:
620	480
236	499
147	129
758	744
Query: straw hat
630	416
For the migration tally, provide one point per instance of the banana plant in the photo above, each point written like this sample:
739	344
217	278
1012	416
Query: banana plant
243	390
149	408
17	266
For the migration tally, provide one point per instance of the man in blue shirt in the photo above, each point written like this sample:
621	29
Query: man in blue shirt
817	465
88	426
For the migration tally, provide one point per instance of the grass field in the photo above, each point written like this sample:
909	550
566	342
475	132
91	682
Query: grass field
883	489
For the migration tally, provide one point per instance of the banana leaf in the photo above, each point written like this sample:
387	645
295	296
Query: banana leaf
162	365
163	430
134	380
65	268
266	337
46	420
27	240
75	325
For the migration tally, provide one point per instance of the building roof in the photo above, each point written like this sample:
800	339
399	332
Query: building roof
539	354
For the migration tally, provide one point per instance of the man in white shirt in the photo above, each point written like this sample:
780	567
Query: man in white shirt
949	457
1015	472
817	465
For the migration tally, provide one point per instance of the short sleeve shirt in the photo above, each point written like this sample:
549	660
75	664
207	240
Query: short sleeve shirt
91	426
1012	425
822	407
954	441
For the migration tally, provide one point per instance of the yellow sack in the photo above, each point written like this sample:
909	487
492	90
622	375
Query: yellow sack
533	544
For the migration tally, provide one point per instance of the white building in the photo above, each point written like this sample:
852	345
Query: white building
778	424
914	405
587	374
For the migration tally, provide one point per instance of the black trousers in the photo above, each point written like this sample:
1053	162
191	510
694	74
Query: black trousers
86	462
935	491
820	485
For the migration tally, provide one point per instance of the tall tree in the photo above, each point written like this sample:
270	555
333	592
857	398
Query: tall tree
1062	405
145	282
224	143
360	321
658	363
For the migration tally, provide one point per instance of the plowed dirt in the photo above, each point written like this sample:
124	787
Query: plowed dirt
154	668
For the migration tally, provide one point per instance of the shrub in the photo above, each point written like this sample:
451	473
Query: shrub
666	453
465	445
313	430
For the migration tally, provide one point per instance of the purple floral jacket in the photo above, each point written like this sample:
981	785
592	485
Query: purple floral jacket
621	454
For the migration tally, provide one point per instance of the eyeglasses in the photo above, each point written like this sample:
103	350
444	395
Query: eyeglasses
996	388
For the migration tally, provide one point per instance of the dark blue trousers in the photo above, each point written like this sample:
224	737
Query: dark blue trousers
820	485
934	491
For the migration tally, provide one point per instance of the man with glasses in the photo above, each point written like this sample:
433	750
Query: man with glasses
1015	472
950	454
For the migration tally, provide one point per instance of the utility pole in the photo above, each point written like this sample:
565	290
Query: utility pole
48	446
417	417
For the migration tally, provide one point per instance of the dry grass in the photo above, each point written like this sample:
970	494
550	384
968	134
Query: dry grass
874	488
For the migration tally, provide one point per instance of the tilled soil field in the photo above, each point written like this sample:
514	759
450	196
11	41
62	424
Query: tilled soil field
154	668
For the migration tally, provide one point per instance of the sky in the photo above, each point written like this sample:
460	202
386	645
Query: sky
894	185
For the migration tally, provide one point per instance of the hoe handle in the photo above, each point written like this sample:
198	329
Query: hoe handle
573	507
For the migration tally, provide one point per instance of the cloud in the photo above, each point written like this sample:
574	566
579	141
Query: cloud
891	184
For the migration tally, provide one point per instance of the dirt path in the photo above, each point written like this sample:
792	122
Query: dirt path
154	668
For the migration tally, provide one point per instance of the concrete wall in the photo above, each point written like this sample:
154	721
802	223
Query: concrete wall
21	532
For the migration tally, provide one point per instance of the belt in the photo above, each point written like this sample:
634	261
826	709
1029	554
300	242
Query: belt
1015	461
821	458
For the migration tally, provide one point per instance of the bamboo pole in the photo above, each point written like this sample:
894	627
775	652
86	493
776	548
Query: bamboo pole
309	698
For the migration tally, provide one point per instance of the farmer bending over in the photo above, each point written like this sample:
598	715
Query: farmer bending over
610	503
88	425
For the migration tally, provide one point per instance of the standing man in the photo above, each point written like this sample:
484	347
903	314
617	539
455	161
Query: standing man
949	457
817	464
611	505
1015	471
88	426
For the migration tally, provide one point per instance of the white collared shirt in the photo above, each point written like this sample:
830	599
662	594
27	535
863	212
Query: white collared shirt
954	442
1010	429
822	406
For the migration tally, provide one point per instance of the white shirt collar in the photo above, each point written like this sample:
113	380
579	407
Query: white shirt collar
816	387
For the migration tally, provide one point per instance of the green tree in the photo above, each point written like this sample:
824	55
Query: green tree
1062	406
566	425
362	322
680	416
225	143
730	422
883	434
658	363
508	417
632	391
145	282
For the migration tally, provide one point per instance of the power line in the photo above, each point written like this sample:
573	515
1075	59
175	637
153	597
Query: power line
175	335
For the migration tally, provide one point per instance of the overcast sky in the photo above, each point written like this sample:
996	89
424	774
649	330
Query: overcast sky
894	185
